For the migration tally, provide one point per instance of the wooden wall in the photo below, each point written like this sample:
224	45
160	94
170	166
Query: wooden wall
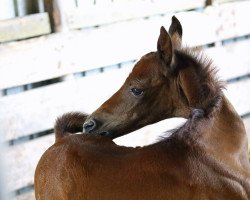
92	49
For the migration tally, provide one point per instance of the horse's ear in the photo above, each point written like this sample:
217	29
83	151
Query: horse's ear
175	31
164	46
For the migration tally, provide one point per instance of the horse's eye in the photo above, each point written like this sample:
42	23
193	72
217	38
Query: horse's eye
137	91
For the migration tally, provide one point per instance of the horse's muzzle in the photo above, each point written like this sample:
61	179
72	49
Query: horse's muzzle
89	125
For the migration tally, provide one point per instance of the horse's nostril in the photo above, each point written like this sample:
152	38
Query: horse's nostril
89	125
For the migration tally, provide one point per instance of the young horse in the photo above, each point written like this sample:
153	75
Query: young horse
204	159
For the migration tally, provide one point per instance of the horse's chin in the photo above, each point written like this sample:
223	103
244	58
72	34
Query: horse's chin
110	134
106	134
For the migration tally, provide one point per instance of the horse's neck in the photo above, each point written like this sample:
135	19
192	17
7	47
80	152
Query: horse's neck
226	133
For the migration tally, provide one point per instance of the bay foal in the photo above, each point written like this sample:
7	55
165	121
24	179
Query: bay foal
204	159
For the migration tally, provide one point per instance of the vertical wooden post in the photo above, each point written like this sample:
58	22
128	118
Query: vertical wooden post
57	12
209	2
25	7
7	9
40	5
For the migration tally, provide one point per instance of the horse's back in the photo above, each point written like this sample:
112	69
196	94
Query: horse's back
57	172
87	168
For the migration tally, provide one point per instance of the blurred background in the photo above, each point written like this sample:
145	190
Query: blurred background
58	56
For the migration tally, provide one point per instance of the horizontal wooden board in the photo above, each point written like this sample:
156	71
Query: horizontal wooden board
230	19
59	54
226	1
232	60
25	157
21	167
238	94
24	27
35	110
100	14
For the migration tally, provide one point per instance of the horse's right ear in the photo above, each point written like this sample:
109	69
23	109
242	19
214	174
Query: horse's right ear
164	46
175	31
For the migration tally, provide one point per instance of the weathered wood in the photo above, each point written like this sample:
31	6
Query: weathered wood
57	10
78	51
232	60
238	93
99	14
61	60
231	19
24	27
21	166
35	110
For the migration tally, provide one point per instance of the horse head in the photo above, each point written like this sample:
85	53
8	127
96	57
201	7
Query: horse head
167	83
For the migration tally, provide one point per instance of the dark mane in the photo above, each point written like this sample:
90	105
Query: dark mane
210	85
184	130
210	93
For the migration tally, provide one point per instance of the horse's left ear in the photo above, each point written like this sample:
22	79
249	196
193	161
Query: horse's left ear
175	31
164	46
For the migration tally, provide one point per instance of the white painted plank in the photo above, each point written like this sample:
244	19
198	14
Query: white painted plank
36	110
24	27
24	158
230	19
59	54
106	13
238	94
232	59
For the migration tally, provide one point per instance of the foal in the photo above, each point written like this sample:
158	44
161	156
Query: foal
204	159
